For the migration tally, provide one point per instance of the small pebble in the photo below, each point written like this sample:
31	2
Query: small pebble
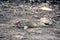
25	27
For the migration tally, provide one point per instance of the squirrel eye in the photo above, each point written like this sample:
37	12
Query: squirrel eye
46	23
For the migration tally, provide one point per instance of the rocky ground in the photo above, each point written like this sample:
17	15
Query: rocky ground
14	17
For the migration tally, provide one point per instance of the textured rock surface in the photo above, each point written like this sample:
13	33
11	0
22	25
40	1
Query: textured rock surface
13	16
